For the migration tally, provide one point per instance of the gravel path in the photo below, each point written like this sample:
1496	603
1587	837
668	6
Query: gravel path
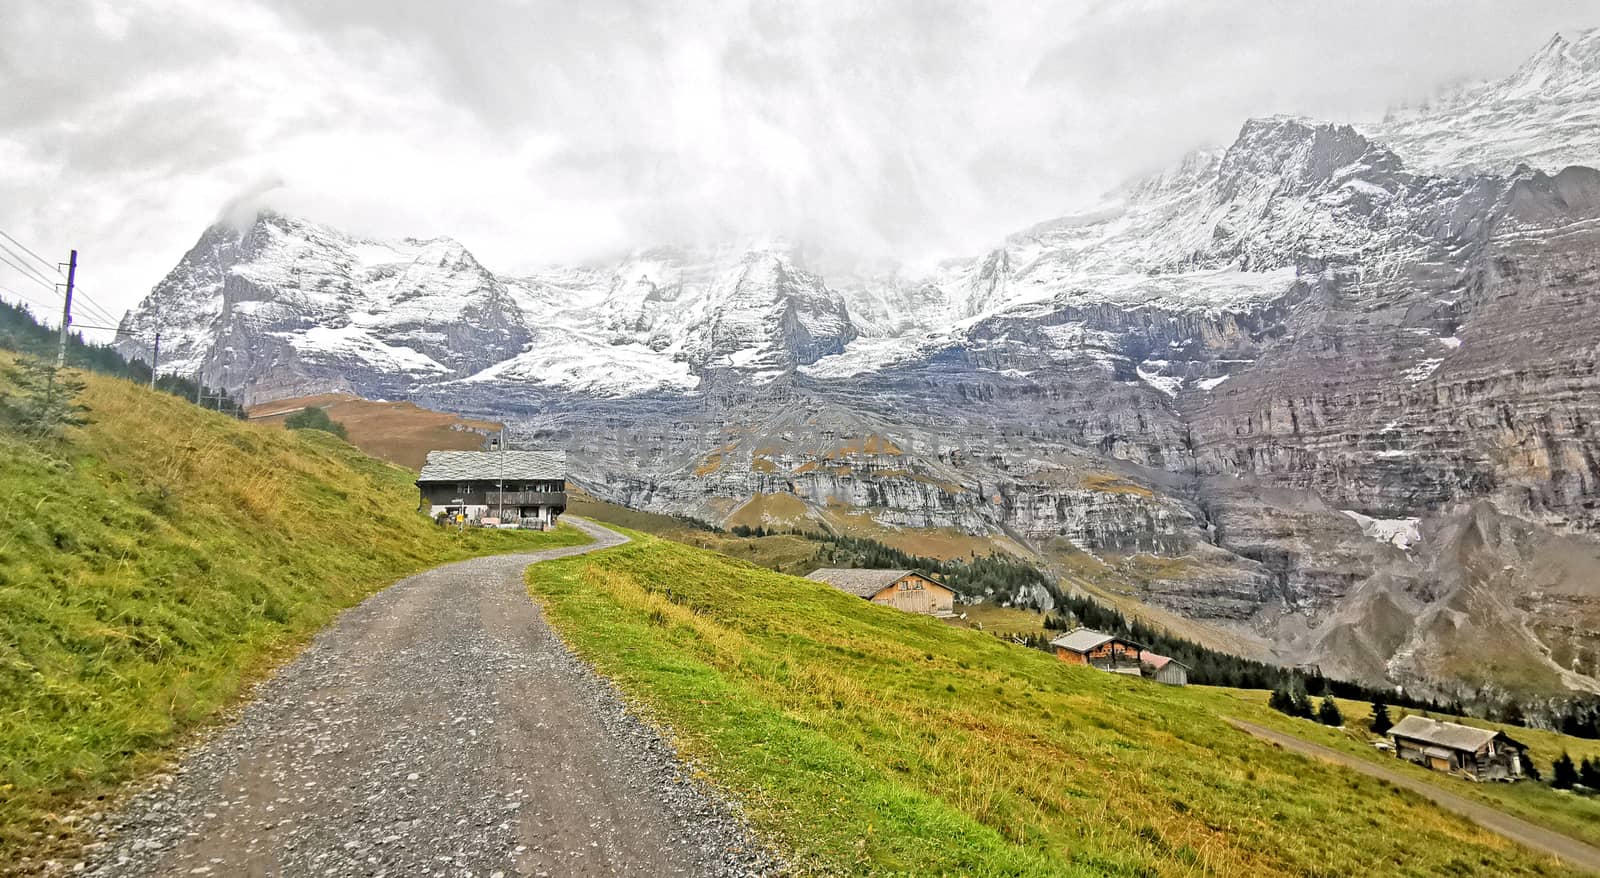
1563	847
439	728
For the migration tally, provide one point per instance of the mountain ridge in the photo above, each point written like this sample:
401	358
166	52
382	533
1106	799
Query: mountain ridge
1222	392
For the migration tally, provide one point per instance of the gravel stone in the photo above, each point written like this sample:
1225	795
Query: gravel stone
440	728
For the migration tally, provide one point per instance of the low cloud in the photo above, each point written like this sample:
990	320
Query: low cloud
541	132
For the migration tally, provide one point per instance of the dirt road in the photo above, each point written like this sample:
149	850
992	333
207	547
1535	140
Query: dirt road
1569	850
439	728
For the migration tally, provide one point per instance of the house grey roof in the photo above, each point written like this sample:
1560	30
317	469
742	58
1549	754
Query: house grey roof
1452	735
1085	639
462	466
862	583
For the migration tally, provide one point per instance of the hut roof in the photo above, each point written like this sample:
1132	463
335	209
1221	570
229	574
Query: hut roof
1085	639
1443	734
861	583
468	466
1159	661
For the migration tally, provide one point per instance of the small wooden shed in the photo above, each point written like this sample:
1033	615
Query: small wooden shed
1163	669
902	589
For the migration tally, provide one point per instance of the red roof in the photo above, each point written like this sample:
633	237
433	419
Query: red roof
1156	661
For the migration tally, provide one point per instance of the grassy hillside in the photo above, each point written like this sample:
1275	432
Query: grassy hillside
398	432
870	741
788	553
154	562
1575	815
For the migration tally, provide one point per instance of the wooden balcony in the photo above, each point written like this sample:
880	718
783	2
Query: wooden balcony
557	499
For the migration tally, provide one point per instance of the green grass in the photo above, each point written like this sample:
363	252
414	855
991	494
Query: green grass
156	562
1570	813
868	741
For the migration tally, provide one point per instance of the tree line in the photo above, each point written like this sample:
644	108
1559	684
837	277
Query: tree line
1016	582
22	333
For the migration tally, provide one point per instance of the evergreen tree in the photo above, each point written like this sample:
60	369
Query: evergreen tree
1589	774
1563	774
1281	701
42	399
1328	713
1528	768
1380	724
1301	702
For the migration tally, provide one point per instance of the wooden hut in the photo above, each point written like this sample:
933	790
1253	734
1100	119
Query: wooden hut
902	589
1474	753
1162	669
1107	652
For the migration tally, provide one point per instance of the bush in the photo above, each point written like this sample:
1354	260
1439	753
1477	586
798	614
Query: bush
313	418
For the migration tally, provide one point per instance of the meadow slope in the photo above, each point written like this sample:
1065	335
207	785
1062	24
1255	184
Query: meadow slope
156	561
868	741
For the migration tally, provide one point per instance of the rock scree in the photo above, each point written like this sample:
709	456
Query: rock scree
439	728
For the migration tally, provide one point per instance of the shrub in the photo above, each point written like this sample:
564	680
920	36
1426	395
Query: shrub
313	418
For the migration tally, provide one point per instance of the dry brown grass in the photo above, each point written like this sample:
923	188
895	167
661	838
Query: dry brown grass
1110	483
398	432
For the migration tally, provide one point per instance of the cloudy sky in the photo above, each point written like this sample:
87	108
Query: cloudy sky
539	132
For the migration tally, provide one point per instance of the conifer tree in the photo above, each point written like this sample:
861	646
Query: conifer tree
1380	724
42	400
1589	774
1563	774
1328	713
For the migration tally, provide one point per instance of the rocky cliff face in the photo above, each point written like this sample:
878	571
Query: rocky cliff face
1329	392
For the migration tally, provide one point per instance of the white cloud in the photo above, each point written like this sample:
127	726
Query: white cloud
549	131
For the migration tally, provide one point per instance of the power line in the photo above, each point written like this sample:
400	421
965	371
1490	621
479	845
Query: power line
26	273
42	261
21	298
95	309
22	263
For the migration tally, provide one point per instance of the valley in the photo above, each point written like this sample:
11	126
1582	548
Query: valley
1320	397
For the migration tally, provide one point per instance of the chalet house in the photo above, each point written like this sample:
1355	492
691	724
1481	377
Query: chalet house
1163	669
1478	754
902	589
1085	646
521	488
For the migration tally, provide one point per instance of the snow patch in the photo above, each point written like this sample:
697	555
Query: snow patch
1423	370
1402	533
1166	384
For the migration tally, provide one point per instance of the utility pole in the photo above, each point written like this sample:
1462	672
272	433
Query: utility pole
155	361
199	387
66	311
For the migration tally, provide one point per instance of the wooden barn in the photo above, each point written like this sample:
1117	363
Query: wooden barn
496	488
1085	646
1163	669
902	589
1474	753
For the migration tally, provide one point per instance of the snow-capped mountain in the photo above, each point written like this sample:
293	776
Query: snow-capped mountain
1230	388
1543	115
